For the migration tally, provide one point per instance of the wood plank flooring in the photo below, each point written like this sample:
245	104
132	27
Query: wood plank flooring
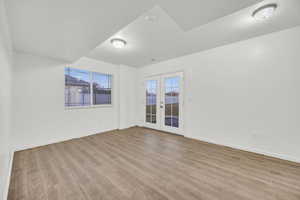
140	164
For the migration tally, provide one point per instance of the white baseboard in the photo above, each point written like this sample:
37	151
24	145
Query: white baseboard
6	186
127	127
258	151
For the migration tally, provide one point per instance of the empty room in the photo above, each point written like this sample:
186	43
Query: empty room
149	99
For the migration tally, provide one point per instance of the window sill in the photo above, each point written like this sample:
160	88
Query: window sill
88	107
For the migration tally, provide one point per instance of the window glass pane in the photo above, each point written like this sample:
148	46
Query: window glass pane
77	87
153	110
151	98
101	88
148	118
148	101
168	120
153	119
172	101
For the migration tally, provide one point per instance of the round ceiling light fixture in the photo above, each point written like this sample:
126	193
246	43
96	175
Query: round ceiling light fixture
118	43
264	12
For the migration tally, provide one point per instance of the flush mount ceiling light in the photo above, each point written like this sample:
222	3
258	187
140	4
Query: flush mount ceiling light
264	12
118	43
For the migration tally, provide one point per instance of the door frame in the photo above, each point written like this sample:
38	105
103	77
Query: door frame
160	98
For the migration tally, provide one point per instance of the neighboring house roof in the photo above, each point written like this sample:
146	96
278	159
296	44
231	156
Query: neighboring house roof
70	80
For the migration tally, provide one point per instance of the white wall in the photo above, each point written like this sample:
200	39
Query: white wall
128	88
5	99
244	95
39	115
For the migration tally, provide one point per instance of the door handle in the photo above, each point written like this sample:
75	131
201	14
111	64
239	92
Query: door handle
161	104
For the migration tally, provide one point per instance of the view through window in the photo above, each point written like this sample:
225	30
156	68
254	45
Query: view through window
85	88
172	101
151	97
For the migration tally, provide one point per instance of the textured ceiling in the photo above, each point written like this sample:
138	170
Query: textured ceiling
164	38
69	29
194	13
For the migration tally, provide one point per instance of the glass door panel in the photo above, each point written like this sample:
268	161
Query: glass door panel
171	93
151	101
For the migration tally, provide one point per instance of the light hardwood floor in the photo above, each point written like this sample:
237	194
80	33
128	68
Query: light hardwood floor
139	164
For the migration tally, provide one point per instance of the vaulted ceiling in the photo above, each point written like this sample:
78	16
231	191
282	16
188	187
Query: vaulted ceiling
69	29
150	42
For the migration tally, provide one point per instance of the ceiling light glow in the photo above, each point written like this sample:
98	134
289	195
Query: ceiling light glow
118	43
264	12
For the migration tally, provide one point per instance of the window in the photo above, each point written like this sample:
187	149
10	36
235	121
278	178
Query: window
84	88
101	88
172	101
151	98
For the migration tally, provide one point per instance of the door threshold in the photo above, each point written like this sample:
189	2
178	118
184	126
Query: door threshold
163	131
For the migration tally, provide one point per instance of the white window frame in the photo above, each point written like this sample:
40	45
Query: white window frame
92	92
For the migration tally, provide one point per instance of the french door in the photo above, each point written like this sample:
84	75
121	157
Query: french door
163	102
